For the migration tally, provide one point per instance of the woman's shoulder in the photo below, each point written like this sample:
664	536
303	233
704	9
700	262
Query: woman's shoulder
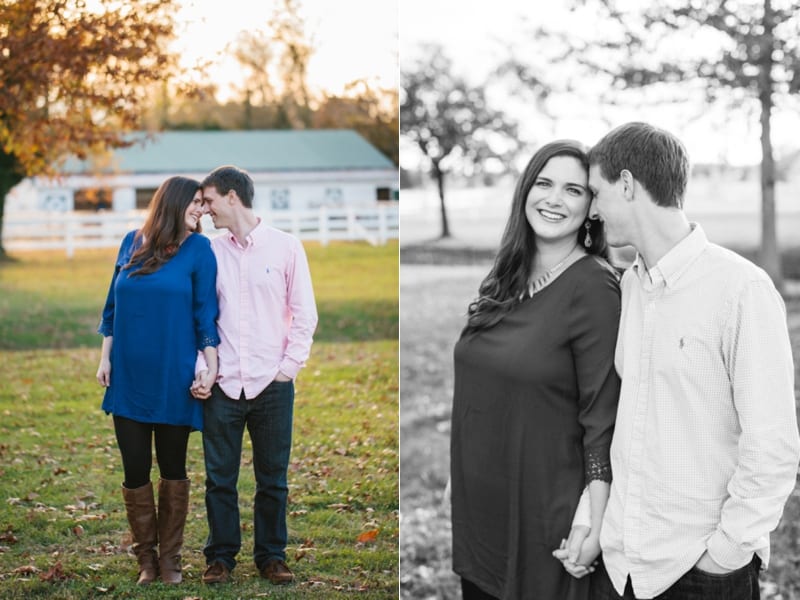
129	237
597	268
197	240
127	247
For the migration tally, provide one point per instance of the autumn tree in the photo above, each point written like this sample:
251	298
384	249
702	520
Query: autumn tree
73	79
295	49
254	51
754	64
369	110
449	119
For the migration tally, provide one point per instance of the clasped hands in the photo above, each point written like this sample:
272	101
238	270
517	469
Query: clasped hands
579	552
204	380
202	384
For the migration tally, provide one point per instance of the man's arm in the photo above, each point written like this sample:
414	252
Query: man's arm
759	360
303	310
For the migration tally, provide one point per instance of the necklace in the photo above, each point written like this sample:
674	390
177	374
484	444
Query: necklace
538	284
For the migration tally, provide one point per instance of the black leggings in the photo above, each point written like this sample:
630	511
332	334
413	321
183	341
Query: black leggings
135	444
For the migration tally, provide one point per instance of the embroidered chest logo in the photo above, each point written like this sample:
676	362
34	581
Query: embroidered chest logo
681	344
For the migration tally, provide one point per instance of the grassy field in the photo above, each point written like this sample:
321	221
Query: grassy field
436	284
63	532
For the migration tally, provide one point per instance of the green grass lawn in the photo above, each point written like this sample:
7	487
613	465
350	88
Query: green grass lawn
63	532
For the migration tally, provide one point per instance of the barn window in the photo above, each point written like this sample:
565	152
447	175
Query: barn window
279	199
93	199
143	197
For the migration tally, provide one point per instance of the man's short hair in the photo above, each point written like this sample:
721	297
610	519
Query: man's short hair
656	159
227	178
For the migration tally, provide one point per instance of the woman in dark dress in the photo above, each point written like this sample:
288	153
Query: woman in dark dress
536	392
161	309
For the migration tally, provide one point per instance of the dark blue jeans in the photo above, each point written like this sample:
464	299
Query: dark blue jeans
268	418
741	584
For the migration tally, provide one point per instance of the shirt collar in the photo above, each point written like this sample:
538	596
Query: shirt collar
252	239
675	262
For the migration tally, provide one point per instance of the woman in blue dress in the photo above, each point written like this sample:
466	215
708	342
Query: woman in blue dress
161	309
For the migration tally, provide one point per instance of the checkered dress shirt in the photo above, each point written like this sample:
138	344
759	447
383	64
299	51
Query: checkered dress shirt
706	449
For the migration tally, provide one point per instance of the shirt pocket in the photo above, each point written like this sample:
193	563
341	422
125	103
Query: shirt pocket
270	282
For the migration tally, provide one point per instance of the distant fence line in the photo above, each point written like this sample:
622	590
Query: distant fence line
70	231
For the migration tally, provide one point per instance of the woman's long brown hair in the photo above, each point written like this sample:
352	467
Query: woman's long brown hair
165	227
509	274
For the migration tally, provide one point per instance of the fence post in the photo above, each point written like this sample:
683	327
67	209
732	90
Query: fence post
69	237
323	226
382	235
351	224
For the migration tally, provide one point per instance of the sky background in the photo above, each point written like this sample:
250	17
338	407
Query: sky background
354	39
474	33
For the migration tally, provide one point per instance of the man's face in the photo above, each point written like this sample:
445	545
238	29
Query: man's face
612	207
217	206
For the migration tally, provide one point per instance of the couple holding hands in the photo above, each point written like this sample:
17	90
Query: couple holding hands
205	335
628	436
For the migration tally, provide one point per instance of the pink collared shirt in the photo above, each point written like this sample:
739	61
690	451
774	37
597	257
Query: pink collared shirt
706	446
267	312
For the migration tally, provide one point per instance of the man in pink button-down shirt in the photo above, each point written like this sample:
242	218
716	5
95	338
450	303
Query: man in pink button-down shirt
267	317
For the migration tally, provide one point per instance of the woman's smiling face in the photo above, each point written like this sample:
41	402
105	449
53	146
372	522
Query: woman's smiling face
559	199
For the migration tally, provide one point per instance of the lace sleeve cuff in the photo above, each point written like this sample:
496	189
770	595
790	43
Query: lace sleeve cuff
597	465
206	340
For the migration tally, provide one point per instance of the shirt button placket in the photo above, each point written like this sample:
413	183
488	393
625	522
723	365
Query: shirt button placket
244	309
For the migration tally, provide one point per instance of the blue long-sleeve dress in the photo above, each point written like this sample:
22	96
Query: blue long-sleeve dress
159	321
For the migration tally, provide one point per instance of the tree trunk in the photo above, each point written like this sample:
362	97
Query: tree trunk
439	174
8	179
3	193
770	257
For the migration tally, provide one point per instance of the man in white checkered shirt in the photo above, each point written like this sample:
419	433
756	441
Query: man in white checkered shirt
706	449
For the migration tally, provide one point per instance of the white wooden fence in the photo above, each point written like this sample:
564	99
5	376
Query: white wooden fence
70	231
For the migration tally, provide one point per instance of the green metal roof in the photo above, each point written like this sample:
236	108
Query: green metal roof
252	150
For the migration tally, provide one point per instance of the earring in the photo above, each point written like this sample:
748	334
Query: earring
587	241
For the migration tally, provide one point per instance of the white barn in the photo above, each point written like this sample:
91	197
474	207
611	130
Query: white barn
292	171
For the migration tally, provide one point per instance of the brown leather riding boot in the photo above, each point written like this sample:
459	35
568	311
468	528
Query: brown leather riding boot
141	509
173	504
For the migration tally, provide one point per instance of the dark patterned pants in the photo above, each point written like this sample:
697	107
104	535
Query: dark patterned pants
741	584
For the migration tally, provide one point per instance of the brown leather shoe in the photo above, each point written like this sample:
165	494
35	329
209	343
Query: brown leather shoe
276	571
216	573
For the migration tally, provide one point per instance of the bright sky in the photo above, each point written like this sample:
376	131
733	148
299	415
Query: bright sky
473	34
353	39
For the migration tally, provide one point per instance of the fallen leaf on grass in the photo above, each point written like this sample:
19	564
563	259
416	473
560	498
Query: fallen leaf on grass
105	590
25	570
99	517
339	506
303	550
9	537
78	530
368	536
55	573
